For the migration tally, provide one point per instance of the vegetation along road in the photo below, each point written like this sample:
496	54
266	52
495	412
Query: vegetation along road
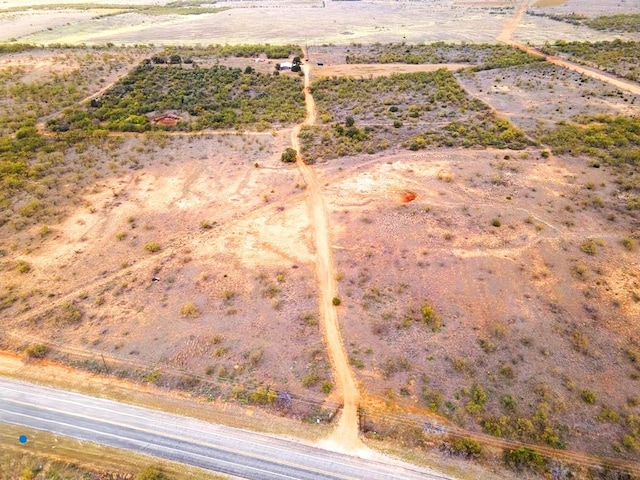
222	449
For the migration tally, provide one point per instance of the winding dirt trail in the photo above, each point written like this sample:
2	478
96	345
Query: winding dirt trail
346	434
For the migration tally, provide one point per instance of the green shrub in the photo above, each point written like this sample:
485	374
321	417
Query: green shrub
524	458
152	247
430	317
190	310
467	447
70	313
151	473
478	399
36	350
630	442
310	379
263	396
31	208
289	155
336	301
327	387
432	398
509	403
589	247
23	267
629	243
608	415
588	396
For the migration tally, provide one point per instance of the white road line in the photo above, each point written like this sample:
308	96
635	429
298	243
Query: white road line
218	433
146	443
173	437
198	427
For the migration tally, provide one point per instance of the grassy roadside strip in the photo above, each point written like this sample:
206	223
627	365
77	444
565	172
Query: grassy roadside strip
61	457
157	398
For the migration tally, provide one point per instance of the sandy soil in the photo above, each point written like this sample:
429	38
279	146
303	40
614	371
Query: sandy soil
38	66
589	8
378	69
339	22
18	24
395	256
247	283
546	94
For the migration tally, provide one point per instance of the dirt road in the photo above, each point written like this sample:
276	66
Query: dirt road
512	24
346	434
617	82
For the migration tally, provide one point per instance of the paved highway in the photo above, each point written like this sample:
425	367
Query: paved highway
232	451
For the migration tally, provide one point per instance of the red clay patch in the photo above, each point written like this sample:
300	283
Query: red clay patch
408	196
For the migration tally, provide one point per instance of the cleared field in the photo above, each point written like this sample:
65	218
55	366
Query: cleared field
336	22
377	70
192	281
428	249
538	95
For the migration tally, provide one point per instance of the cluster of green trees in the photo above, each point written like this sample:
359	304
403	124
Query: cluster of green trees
532	428
34	99
369	115
618	57
241	50
572	18
486	130
218	97
15	47
368	99
619	23
628	22
612	139
485	56
40	174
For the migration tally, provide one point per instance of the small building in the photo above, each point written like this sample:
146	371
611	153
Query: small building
286	66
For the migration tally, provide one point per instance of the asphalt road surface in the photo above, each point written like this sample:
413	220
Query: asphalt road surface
232	451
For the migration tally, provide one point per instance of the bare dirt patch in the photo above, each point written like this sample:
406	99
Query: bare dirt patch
494	248
376	70
544	93
17	25
38	65
218	222
549	3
